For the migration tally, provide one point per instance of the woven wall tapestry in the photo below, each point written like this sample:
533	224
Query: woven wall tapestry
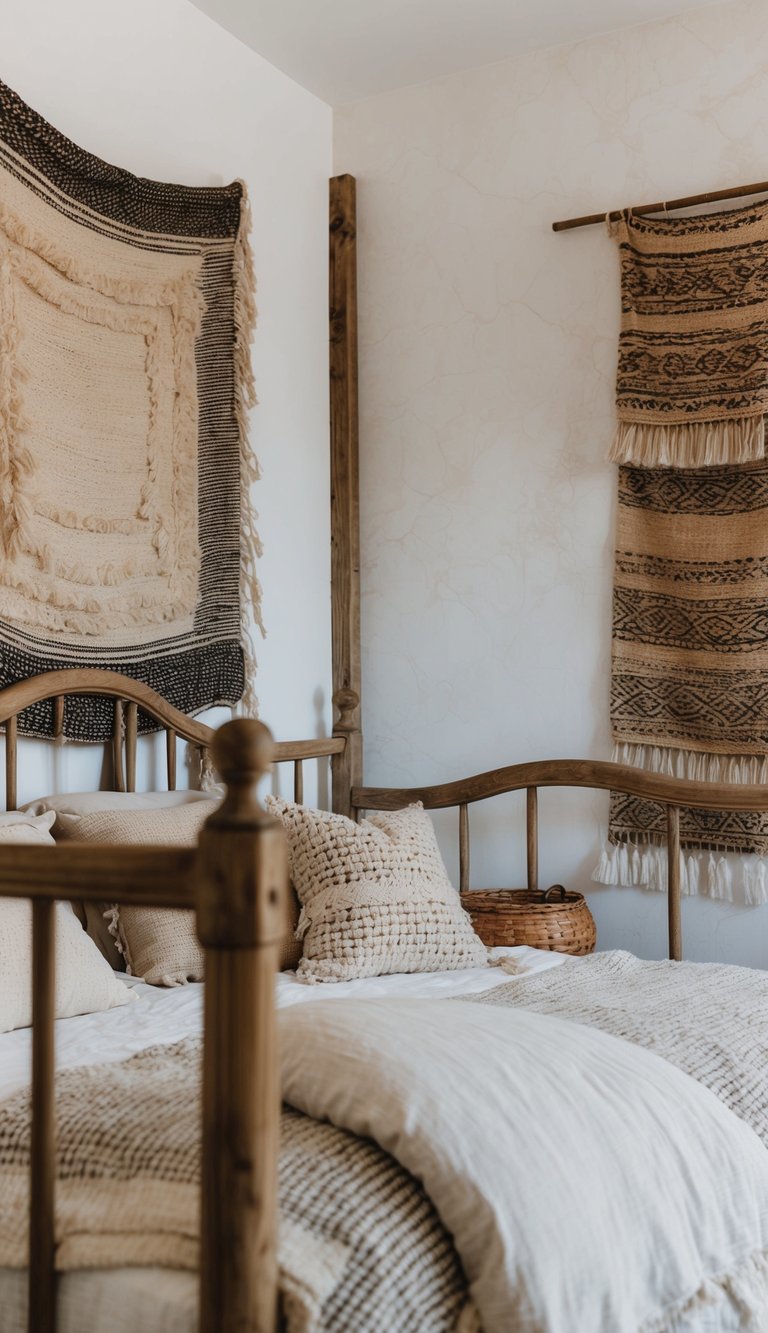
127	539
689	693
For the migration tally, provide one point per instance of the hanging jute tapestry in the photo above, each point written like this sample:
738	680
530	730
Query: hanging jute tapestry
127	539
690	614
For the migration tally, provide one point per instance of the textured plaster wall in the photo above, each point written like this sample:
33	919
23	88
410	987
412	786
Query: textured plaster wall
488	358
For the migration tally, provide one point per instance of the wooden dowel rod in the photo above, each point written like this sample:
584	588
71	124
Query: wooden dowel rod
463	848
298	781
58	717
170	757
532	835
665	205
673	884
42	1288
11	733
117	746
131	731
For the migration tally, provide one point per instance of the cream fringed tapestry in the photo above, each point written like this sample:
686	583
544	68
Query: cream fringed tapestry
127	539
689	690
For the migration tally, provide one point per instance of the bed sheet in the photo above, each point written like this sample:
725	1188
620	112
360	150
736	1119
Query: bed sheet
159	1016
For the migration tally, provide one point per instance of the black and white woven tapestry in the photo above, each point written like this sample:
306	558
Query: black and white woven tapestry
127	537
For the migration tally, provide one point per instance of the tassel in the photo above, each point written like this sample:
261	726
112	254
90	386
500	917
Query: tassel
689	444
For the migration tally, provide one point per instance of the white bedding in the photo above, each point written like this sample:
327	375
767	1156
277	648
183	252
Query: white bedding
163	1015
589	1185
160	1300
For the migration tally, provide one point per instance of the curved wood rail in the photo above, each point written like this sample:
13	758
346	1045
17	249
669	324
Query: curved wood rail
598	774
92	680
284	751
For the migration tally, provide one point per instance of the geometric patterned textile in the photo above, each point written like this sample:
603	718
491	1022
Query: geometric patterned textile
689	682
126	534
692	384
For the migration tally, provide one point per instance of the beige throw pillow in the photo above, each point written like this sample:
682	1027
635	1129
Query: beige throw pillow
85	983
375	896
159	945
68	808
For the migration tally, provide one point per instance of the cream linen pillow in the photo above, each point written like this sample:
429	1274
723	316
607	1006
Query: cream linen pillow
160	946
157	944
70	807
375	896
85	983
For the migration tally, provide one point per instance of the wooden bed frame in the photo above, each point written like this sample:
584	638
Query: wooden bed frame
236	881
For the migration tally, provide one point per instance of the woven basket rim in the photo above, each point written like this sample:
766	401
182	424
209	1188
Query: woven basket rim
506	898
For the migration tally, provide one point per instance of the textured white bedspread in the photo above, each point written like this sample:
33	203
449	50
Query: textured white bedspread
589	1185
160	1300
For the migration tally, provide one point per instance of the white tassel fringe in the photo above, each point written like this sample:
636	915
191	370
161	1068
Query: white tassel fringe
726	876
689	443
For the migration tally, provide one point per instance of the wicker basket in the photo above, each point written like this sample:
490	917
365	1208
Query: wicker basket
545	919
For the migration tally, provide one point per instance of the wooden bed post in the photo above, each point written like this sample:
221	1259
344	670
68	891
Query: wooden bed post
242	917
345	483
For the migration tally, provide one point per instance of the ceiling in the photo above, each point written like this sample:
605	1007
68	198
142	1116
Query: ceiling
345	50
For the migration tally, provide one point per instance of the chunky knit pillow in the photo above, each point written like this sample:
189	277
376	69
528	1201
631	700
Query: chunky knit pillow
375	896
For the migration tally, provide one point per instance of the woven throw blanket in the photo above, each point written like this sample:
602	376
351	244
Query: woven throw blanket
360	1250
560	1158
689	691
709	1019
126	533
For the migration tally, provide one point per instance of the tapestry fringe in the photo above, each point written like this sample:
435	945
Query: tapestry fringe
727	877
692	764
245	399
125	291
15	461
689	444
642	862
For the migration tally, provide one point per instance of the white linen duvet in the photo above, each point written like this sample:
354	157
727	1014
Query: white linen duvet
590	1186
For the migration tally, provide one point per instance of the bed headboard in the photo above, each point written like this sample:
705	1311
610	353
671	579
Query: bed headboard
130	695
672	794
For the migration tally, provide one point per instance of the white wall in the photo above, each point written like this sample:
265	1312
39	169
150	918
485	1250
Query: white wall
157	87
488	359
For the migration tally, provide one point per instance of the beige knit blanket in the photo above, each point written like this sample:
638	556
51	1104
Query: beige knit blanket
352	1222
709	1019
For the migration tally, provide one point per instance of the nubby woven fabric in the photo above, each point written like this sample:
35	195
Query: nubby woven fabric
126	534
689	682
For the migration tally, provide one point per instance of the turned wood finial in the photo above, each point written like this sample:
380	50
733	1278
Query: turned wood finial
242	751
347	702
243	875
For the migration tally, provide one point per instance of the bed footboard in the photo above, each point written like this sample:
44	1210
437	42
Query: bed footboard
237	881
242	913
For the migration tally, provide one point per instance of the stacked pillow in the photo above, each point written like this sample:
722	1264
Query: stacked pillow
67	813
158	945
375	896
84	981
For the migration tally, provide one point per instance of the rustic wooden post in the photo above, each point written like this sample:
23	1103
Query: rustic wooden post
347	767
242	915
345	511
